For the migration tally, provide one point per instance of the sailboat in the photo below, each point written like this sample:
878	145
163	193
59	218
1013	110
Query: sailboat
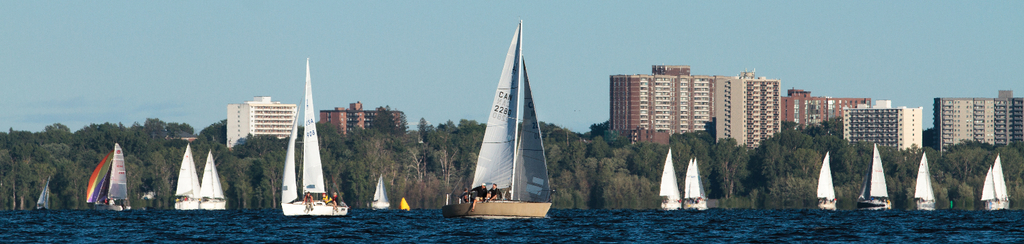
826	191
312	172
994	192
514	162
380	196
669	187
211	191
188	183
44	198
108	187
874	195
694	197
923	194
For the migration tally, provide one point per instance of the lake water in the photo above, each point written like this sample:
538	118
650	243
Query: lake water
362	225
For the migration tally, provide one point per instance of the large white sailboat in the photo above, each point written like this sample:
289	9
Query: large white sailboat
108	185
994	192
44	198
669	187
312	172
188	183
923	194
826	191
874	195
693	192
380	196
516	164
211	192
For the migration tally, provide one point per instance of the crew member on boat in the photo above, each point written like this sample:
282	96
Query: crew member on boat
479	194
465	195
493	193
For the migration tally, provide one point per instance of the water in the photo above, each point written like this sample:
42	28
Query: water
561	225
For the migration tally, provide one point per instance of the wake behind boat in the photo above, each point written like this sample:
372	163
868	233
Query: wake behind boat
874	195
826	191
108	188
517	167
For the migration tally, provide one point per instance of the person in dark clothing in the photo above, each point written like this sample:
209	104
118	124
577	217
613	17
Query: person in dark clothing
465	195
493	193
478	193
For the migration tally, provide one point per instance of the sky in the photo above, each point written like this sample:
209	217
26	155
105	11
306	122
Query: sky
90	62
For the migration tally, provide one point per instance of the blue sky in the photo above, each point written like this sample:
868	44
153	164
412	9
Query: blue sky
84	62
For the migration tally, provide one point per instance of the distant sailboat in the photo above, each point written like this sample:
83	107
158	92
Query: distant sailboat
826	191
312	171
694	197
874	195
380	196
44	197
923	193
514	162
188	183
211	192
994	192
108	184
669	187
405	205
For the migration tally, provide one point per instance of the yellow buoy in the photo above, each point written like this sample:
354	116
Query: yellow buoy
405	205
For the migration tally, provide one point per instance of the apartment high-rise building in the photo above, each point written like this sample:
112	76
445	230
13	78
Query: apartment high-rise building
800	107
997	120
884	125
261	116
354	116
746	108
652	107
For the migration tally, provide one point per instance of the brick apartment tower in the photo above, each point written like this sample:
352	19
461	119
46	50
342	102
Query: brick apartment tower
668	101
747	108
354	116
800	107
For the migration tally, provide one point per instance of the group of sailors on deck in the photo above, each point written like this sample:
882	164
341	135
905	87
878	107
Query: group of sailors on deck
480	194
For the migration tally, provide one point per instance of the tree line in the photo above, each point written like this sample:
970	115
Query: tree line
595	169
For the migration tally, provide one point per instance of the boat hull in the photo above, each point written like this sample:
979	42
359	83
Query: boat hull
690	205
187	205
100	206
873	205
213	204
314	209
827	205
380	205
671	205
497	210
926	205
996	205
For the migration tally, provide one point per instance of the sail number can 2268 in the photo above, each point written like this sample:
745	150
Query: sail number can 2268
501	110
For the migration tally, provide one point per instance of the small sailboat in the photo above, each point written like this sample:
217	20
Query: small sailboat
44	198
669	187
694	197
405	205
994	192
312	171
874	195
188	183
514	162
924	196
826	191
380	196
211	191
108	188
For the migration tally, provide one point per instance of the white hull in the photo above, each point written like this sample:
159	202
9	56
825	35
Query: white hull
827	205
996	205
926	205
380	205
100	206
315	209
671	205
213	204
497	210
702	205
187	205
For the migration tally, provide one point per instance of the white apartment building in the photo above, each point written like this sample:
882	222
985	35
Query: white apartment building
884	125
259	117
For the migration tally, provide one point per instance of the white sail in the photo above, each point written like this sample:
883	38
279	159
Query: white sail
669	187
312	172
693	184
44	197
924	181
874	183
381	194
288	190
211	181
825	188
118	176
188	179
530	178
998	181
988	191
497	152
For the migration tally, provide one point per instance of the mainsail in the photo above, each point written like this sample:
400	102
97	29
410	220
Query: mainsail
288	190
874	182
380	195
530	178
188	179
693	184
497	152
998	181
118	176
44	197
988	189
669	187
825	187
924	181
211	181
312	172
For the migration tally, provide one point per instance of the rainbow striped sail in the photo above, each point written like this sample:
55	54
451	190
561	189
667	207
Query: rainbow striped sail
99	179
